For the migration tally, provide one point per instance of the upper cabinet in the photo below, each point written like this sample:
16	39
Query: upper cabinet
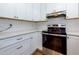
50	7
72	10
36	12
8	10
60	6
39	12
54	7
24	11
43	7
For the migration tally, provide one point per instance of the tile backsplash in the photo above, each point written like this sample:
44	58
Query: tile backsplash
18	25
73	25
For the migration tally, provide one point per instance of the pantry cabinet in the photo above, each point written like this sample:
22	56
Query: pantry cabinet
72	45
72	10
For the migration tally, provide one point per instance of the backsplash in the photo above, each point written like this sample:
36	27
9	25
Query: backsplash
41	25
18	25
73	25
59	20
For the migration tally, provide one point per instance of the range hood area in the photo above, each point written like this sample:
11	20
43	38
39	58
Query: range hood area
56	14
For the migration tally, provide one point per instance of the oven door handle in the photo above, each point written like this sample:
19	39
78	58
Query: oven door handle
59	35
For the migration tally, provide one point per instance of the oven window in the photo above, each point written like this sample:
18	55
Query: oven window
55	43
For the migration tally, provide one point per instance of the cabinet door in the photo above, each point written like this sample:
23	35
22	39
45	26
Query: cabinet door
60	6
72	10
73	45
24	11
37	40
50	7
8	10
36	12
43	7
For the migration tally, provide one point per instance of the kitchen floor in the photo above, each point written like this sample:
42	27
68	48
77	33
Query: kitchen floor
46	51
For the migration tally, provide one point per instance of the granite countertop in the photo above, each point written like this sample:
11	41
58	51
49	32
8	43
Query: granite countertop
10	34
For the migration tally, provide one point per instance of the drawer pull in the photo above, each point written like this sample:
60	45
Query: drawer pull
19	47
19	38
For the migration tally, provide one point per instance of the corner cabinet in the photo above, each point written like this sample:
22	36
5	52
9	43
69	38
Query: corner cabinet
73	45
72	10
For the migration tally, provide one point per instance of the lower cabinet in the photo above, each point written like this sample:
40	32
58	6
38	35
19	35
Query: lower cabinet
16	49
21	45
37	40
73	45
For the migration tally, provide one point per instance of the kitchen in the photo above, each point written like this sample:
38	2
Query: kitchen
22	26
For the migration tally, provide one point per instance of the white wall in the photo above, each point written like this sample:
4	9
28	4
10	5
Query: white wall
18	25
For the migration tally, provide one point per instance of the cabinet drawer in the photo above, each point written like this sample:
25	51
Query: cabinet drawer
12	40
17	48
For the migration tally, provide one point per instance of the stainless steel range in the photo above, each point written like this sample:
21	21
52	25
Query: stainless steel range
55	38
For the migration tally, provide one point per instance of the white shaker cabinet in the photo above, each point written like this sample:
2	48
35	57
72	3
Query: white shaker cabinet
36	12
72	10
8	10
50	7
43	7
37	40
73	45
60	6
55	7
24	11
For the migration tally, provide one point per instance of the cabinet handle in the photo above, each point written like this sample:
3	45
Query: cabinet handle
19	38
20	47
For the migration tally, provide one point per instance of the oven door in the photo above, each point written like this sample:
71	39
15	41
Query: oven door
57	43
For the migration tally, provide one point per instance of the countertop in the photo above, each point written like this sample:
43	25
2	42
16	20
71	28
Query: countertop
10	34
73	33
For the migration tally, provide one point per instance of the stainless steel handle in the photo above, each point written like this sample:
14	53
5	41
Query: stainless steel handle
20	47
19	38
55	34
